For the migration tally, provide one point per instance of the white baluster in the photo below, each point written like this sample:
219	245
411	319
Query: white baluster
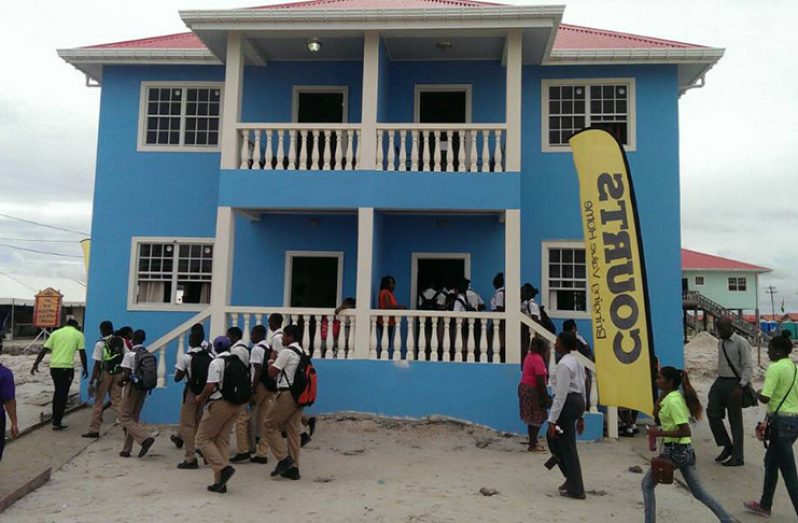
458	340
497	342
327	152
447	340
314	155
256	150
470	341
461	156
497	152
472	156
341	340
422	337
291	150
317	336
385	342
161	367
245	332
485	151
350	155
329	342
552	363
259	320
483	340
414	151
305	331
424	151
593	394
402	150
373	339
280	155
391	152
379	149
436	166
244	154
410	344
181	348
357	151
303	154
339	145
434	338
446	140
233	319
267	149
351	339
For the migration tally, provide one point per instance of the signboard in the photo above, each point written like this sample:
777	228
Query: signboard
617	297
47	309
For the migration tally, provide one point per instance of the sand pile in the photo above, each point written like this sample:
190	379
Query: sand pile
701	355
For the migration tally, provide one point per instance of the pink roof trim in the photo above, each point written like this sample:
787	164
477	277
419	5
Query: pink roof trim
578	37
693	260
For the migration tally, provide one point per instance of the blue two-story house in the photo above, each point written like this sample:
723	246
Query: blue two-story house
283	158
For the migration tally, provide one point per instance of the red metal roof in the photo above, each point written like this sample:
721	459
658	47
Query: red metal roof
173	41
376	4
693	260
578	37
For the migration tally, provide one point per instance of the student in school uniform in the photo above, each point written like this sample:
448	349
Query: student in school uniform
263	390
106	376
213	434
497	305
274	344
133	399
243	443
197	360
284	411
197	330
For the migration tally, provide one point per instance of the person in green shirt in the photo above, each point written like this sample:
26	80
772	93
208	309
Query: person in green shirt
674	410
780	393
63	343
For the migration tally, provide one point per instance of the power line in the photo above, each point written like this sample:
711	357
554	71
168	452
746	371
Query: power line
73	231
49	253
36	240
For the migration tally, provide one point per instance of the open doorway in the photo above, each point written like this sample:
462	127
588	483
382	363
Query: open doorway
444	104
313	279
442	269
319	104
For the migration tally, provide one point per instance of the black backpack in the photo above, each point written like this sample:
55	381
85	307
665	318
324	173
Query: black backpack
237	382
546	322
304	386
429	304
113	353
269	383
464	302
200	361
146	372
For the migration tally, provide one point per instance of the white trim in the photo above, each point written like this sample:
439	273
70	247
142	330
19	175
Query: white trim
544	278
343	89
432	88
512	285
141	146
587	82
416	256
645	55
289	268
132	283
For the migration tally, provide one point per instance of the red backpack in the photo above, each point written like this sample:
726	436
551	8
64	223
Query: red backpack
305	383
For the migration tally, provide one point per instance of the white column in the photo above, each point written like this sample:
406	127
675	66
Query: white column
231	107
365	248
512	285
513	100
371	71
222	275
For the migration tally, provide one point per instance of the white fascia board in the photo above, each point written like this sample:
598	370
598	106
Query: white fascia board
614	56
758	271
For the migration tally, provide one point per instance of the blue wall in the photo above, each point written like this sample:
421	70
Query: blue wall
268	91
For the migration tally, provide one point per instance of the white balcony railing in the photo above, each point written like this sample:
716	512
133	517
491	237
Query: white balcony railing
317	147
441	147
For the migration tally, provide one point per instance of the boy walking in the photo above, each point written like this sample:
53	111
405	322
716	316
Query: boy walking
228	390
135	390
265	386
106	376
192	366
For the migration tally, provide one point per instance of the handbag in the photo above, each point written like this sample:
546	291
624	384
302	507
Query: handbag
749	395
764	429
662	470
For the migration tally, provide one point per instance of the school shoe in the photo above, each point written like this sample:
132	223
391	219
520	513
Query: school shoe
726	454
756	508
177	441
59	427
304	439
733	463
124	454
225	475
292	473
188	465
282	466
312	425
92	435
566	494
145	446
241	456
221	489
259	459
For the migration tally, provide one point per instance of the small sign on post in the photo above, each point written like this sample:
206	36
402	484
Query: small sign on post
47	309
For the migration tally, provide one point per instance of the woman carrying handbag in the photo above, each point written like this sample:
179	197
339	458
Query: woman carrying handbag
674	410
780	392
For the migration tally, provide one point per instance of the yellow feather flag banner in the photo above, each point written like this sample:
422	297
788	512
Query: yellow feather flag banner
617	294
86	246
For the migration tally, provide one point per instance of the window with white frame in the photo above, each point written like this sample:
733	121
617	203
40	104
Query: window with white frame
737	284
181	116
172	272
565	277
699	280
572	105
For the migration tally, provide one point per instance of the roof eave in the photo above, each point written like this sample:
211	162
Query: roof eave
758	270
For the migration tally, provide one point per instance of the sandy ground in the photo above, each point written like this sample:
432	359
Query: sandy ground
359	468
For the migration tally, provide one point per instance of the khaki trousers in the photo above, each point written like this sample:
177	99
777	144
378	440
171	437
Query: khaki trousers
190	416
284	413
132	403
245	429
109	384
213	433
262	413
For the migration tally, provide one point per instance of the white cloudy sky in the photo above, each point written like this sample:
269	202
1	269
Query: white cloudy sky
738	134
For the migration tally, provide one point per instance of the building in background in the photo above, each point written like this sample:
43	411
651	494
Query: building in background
17	294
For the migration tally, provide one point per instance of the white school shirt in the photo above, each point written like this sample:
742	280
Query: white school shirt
497	300
569	376
276	341
429	294
216	368
184	362
257	355
531	309
129	359
287	362
459	300
474	299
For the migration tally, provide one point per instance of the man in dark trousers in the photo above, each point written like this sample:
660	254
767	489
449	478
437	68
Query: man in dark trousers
734	372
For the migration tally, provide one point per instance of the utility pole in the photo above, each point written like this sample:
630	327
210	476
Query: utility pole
772	290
